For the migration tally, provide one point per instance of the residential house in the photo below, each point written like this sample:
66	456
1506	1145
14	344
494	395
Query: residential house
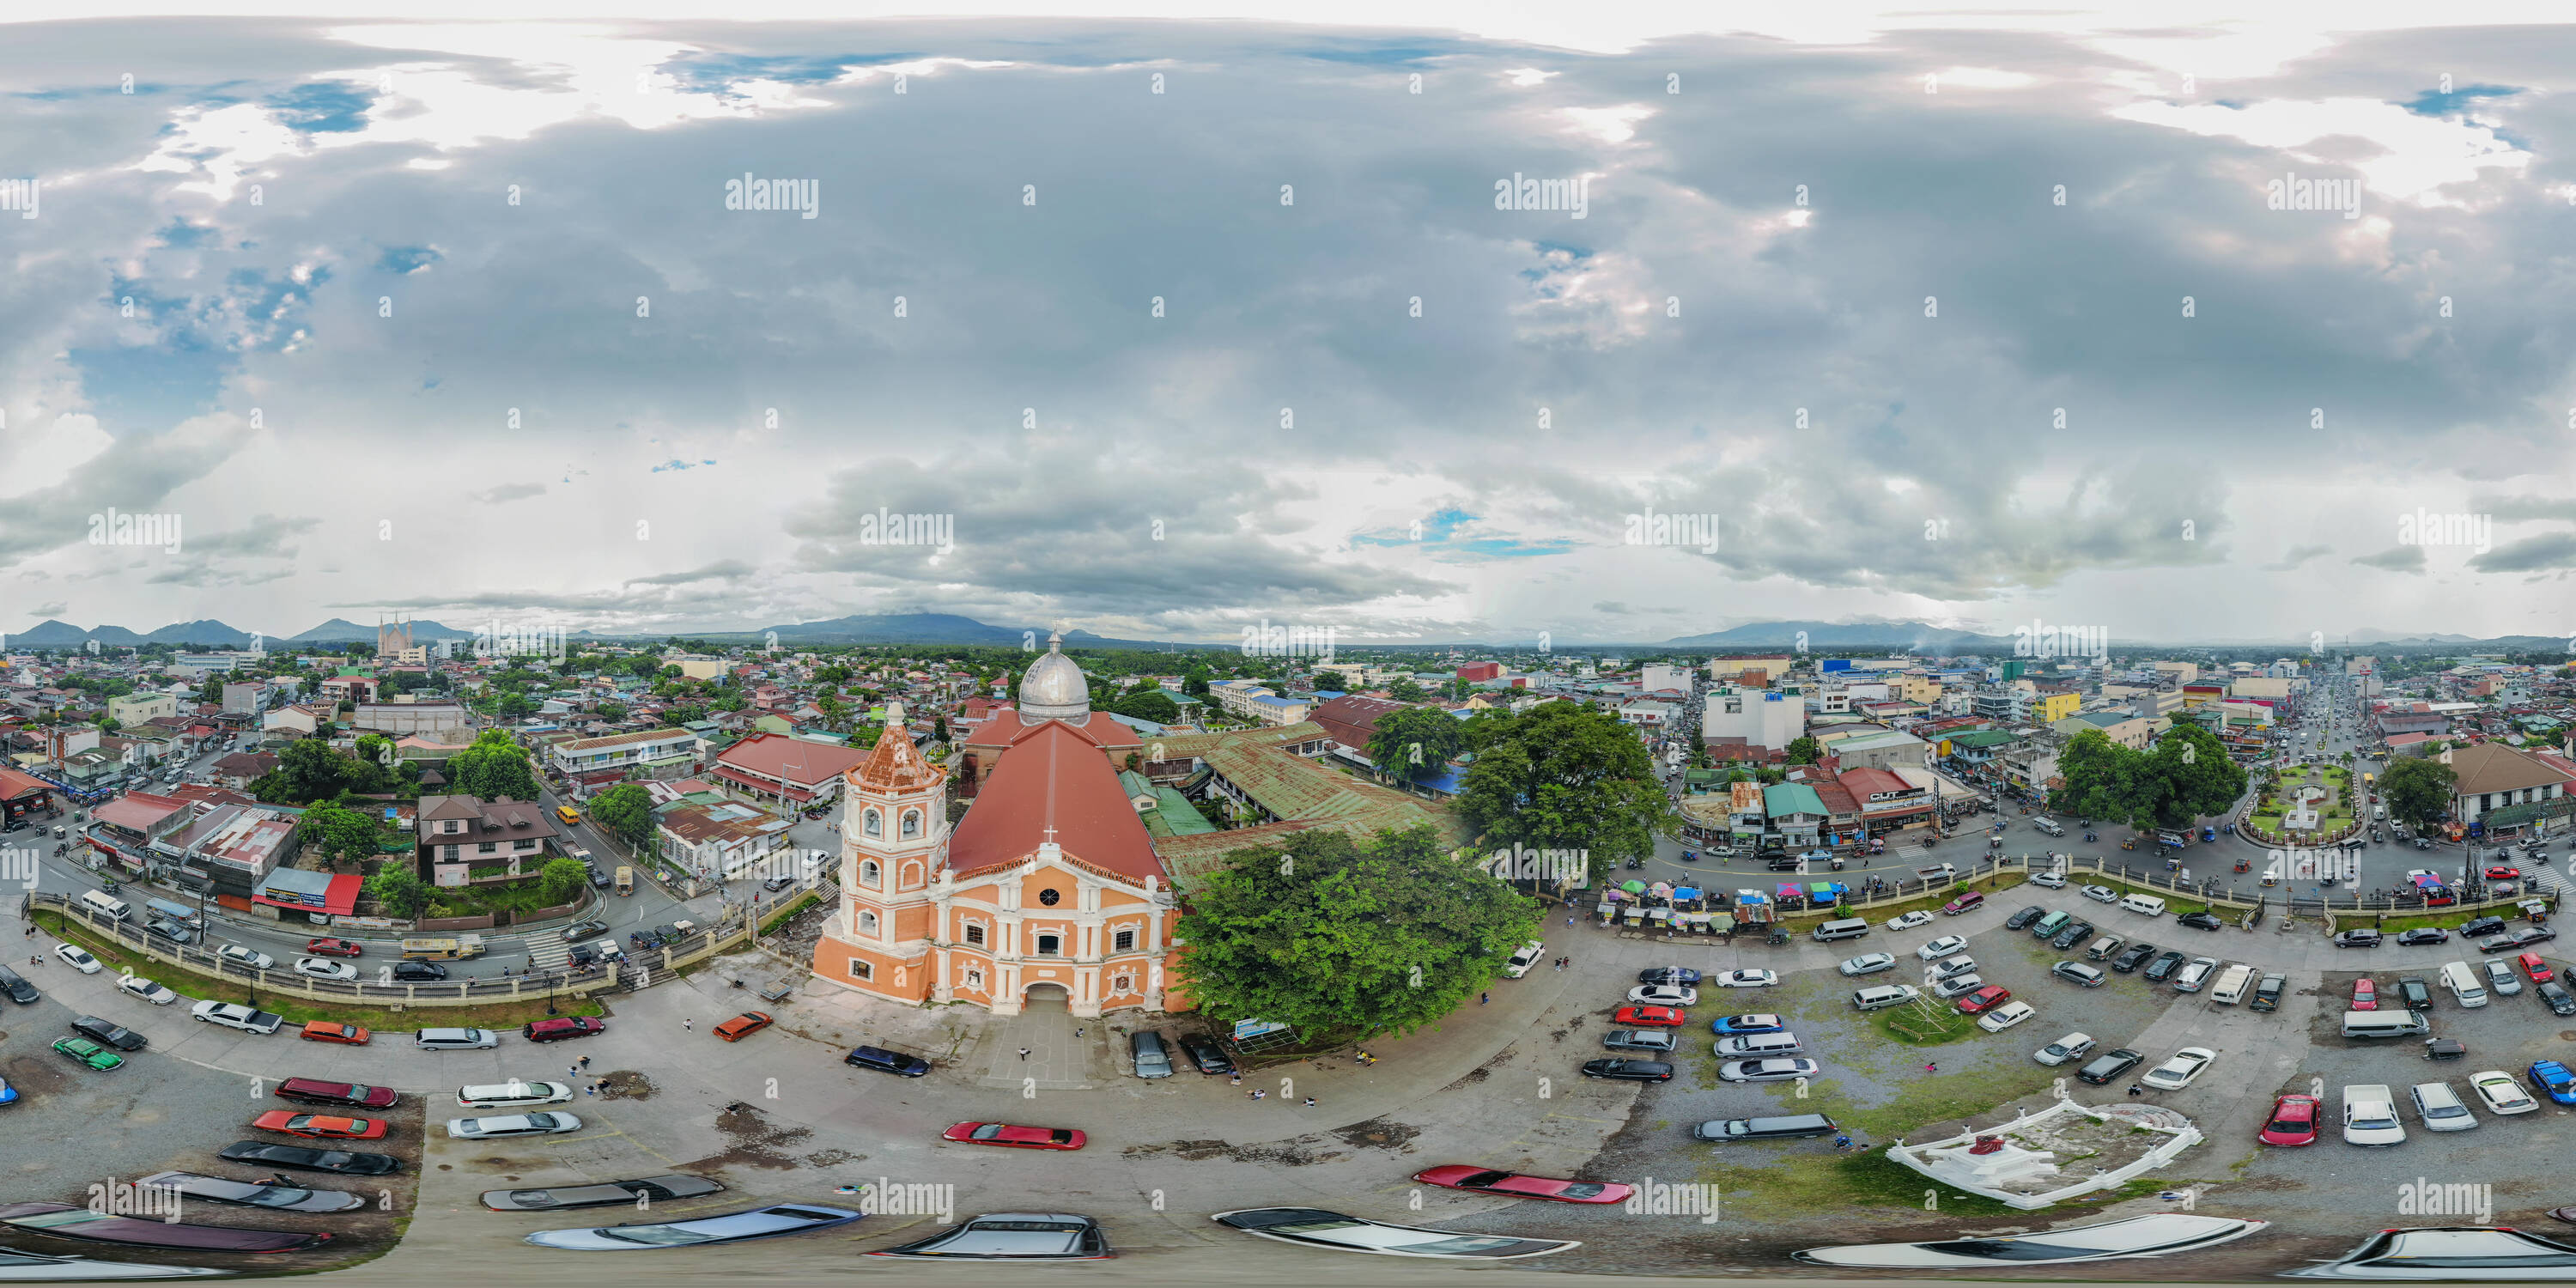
466	841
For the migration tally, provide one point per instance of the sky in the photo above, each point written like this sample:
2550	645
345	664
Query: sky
1194	318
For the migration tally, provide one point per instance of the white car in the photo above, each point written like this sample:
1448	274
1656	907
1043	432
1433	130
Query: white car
2177	1073
1739	979
2153	1235
546	1124
1663	995
239	955
2370	1117
2439	1107
79	959
1958	985
2051	880
324	968
2006	1016
1527	957
1945	946
2100	894
2074	1046
1959	965
1767	1070
233	1015
1910	920
513	1095
1868	964
147	990
2501	1093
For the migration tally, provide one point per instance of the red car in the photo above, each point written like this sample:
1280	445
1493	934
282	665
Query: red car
334	948
2365	995
320	1126
563	1026
2537	969
1014	1137
2293	1121
2504	874
1984	999
1513	1185
1653	1017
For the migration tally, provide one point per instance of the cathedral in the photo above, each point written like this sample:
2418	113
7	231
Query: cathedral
1047	890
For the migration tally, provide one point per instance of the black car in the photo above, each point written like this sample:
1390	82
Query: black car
2108	1065
17	987
2267	993
598	879
2357	939
1629	1070
584	930
645	938
123	1039
2480	927
2525	938
884	1061
2425	935
1784	863
163	927
418	972
2201	920
339	1162
2163	967
1668	975
2071	934
2415	993
2132	957
2561	1002
2021	920
1206	1054
583	955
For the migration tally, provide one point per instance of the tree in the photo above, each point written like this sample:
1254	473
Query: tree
2418	792
1803	750
939	728
1562	777
2185	776
612	711
1195	684
1332	936
398	890
1415	742
343	834
1151	704
1405	690
625	809
561	880
492	768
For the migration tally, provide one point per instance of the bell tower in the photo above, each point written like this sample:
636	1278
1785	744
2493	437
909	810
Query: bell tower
894	838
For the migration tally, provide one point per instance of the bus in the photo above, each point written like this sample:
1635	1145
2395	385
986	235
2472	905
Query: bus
568	814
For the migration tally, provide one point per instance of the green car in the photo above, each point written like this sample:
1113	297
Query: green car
89	1053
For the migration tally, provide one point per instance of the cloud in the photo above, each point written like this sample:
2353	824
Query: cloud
508	492
2297	555
2395	559
2531	554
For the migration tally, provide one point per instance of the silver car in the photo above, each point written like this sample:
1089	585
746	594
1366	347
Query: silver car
1869	964
1958	985
1767	1070
545	1124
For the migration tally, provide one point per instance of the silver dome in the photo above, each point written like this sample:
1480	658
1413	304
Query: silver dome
1054	688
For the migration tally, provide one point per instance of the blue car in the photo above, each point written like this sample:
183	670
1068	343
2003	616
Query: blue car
2553	1079
1747	1024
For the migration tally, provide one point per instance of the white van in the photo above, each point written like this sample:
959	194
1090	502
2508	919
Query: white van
1884	996
2144	904
105	904
2231	986
1847	928
1758	1046
513	1095
2385	1024
2464	985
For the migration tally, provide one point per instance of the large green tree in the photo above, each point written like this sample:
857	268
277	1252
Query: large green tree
625	809
1803	751
2186	775
343	834
2418	792
562	879
1415	742
492	768
1562	776
1148	704
398	890
1335	938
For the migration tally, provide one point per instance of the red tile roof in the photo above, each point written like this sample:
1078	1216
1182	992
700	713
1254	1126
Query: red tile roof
1352	719
1054	785
797	761
1097	728
895	765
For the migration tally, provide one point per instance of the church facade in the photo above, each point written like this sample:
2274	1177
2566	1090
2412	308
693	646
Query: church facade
1048	889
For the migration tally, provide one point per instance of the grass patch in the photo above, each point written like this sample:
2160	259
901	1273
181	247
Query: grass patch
1878	914
808	900
296	1010
1910	1026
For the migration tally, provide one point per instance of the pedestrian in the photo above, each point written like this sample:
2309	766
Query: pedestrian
591	1090
1931	1066
2135	1089
1024	1055
1310	1102
690	1025
1482	998
572	1071
1077	1033
1261	1095
585	1062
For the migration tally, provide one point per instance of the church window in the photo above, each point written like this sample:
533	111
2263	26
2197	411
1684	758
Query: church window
1126	941
1121	985
1048	897
860	969
869	873
911	824
974	933
871	824
867	923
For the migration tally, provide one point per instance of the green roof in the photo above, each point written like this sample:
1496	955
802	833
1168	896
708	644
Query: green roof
1175	816
1984	738
1791	798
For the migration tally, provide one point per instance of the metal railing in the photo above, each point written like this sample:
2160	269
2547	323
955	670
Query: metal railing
640	968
